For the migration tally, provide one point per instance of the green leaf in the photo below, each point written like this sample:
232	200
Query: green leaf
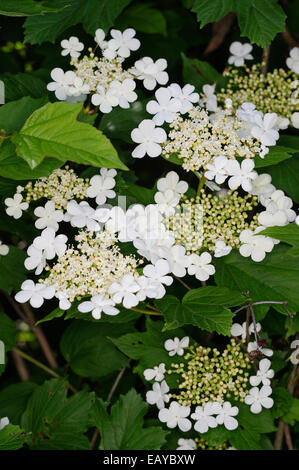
259	20
198	73
12	438
25	7
86	347
249	421
283	402
22	84
274	278
205	307
285	176
13	400
124	428
54	131
12	270
8	332
288	233
276	155
14	167
14	114
93	14
245	439
142	17
293	413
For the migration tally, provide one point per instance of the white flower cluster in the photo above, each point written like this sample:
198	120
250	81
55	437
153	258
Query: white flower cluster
104	78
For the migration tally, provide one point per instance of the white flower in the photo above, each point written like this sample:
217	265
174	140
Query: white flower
147	288
253	346
263	375
221	249
71	46
151	72
167	201
123	43
98	304
3	422
158	272
199	265
278	210
261	185
78	89
186	444
225	415
172	181
240	330
158	395
240	52
35	293
209	99
4	249
101	186
255	246
105	99
164	108
295	119
156	373
241	175
294	358
177	259
62	83
176	346
125	291
15	206
124	92
36	260
100	37
217	170
50	244
82	215
203	417
259	399
48	216
293	60
176	415
264	129
185	96
64	303
148	137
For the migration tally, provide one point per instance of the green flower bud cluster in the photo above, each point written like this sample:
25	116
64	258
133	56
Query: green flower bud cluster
274	92
199	222
60	187
207	374
201	444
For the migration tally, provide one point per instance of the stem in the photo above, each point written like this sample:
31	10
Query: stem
288	437
182	282
20	366
247	325
260	303
147	312
254	324
41	366
265	60
200	185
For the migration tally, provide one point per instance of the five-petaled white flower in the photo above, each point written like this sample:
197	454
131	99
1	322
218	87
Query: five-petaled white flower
82	215
217	170
4	249
122	43
124	92
261	185
71	46
125	291
209	99
241	175
177	259
15	206
186	444
255	246
48	216
101	186
36	259
176	346
149	137
257	399
240	52
156	373
253	346
150	72
64	303
105	99
158	395
50	244
221	249
172	181
293	60
62	83
240	330
225	415
158	271
200	267
265	129
263	375
185	96
204	417
164	108
35	293
295	118
176	415
98	304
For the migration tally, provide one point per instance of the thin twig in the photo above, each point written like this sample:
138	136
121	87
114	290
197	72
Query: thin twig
288	437
147	312
265	60
20	366
182	282
260	303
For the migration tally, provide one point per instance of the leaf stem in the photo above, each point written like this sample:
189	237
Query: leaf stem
147	312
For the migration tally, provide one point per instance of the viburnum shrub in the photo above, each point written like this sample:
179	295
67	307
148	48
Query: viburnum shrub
149	223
